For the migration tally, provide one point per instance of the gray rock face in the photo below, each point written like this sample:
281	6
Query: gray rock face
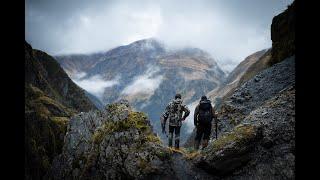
110	144
255	92
257	136
80	131
233	79
274	155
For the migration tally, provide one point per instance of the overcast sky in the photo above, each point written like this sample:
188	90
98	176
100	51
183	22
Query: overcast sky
229	30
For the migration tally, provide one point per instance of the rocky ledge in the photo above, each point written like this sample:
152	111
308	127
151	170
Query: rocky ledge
116	143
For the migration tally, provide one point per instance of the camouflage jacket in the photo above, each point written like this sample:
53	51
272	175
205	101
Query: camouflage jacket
174	113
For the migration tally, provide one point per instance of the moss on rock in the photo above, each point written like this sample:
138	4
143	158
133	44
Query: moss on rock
102	131
241	134
152	138
137	120
163	154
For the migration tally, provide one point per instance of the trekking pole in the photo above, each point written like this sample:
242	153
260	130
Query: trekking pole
216	128
164	130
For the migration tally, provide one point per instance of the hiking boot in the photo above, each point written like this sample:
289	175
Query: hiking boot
176	144
170	140
204	144
196	145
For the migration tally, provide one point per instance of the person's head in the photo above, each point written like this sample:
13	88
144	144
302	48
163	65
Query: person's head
203	98
177	96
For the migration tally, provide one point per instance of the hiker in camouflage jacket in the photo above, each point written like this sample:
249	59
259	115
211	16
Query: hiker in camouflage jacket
175	112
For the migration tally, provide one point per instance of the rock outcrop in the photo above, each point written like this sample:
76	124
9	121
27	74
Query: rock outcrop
116	143
283	34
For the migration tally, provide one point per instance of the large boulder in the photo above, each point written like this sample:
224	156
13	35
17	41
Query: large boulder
230	151
114	143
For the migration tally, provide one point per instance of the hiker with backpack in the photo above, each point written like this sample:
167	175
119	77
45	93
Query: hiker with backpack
175	112
203	116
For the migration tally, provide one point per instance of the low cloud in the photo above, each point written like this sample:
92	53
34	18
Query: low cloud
226	29
95	85
146	83
189	121
78	76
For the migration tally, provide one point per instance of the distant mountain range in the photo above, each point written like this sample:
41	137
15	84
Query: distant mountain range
147	74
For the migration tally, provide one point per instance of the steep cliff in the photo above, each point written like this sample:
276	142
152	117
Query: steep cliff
51	98
283	34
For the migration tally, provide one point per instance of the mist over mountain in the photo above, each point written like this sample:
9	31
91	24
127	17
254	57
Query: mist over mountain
146	73
228	30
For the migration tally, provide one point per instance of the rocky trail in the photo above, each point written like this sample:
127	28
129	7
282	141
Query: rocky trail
185	169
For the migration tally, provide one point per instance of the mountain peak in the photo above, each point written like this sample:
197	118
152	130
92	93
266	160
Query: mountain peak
148	44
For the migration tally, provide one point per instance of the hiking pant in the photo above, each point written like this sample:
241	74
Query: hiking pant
176	131
203	130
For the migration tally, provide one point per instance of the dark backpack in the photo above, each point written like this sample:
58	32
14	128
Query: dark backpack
205	112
